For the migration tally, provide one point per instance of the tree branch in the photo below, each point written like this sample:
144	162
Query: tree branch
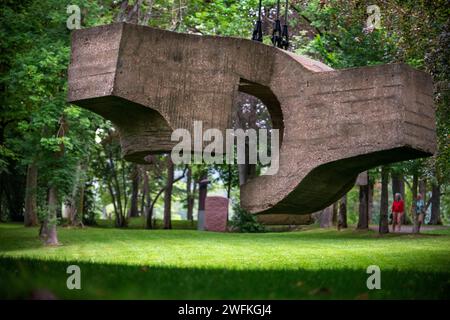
165	187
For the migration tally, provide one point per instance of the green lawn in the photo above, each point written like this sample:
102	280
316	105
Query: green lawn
187	264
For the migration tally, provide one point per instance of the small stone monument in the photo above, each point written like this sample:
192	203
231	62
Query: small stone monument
216	214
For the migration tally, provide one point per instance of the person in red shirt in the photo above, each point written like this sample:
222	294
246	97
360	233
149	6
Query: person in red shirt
398	209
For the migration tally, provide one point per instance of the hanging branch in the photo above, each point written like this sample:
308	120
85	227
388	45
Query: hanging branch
164	188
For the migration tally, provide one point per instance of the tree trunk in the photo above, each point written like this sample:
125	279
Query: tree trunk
326	217
115	191
384	202
52	237
413	206
395	184
335	214
363	221
146	201
134	211
435	204
31	218
80	205
202	193
370	199
72	198
189	195
246	171
423	189
342	218
230	177
168	195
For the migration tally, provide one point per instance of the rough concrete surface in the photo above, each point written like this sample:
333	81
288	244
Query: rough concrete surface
334	123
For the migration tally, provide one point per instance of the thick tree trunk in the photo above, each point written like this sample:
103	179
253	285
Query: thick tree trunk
384	202
134	211
435	204
72	199
396	188
370	199
148	207
189	195
202	193
342	217
326	217
146	200
335	214
143	192
31	218
168	195
423	189
363	221
80	205
52	237
246	171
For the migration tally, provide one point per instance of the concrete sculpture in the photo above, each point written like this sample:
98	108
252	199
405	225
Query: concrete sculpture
333	124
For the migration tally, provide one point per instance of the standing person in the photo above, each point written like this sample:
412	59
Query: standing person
420	211
398	209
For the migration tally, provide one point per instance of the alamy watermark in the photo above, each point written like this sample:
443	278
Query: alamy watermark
251	145
374	19
374	280
74	20
74	280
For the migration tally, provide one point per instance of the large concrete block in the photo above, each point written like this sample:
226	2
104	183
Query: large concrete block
334	123
284	219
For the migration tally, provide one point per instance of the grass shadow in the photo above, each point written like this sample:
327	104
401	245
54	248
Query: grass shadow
22	278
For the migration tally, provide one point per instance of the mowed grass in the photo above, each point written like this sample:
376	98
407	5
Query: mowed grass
188	264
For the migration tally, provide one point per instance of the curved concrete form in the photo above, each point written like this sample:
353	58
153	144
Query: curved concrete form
334	124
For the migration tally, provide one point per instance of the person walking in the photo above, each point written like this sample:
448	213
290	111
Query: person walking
419	211
398	209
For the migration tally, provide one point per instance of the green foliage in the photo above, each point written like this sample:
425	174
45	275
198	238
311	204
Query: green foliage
35	46
41	127
220	17
243	221
341	39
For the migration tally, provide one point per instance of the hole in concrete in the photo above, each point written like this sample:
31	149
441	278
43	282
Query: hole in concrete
256	108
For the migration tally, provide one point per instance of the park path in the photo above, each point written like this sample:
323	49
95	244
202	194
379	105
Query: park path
408	228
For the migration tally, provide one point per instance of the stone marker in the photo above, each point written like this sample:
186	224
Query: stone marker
362	179
216	214
333	124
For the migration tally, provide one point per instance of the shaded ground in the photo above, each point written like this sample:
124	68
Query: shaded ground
186	264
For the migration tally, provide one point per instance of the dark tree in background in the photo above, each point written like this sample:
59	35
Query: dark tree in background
135	180
384	201
30	214
363	220
168	194
342	215
190	194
